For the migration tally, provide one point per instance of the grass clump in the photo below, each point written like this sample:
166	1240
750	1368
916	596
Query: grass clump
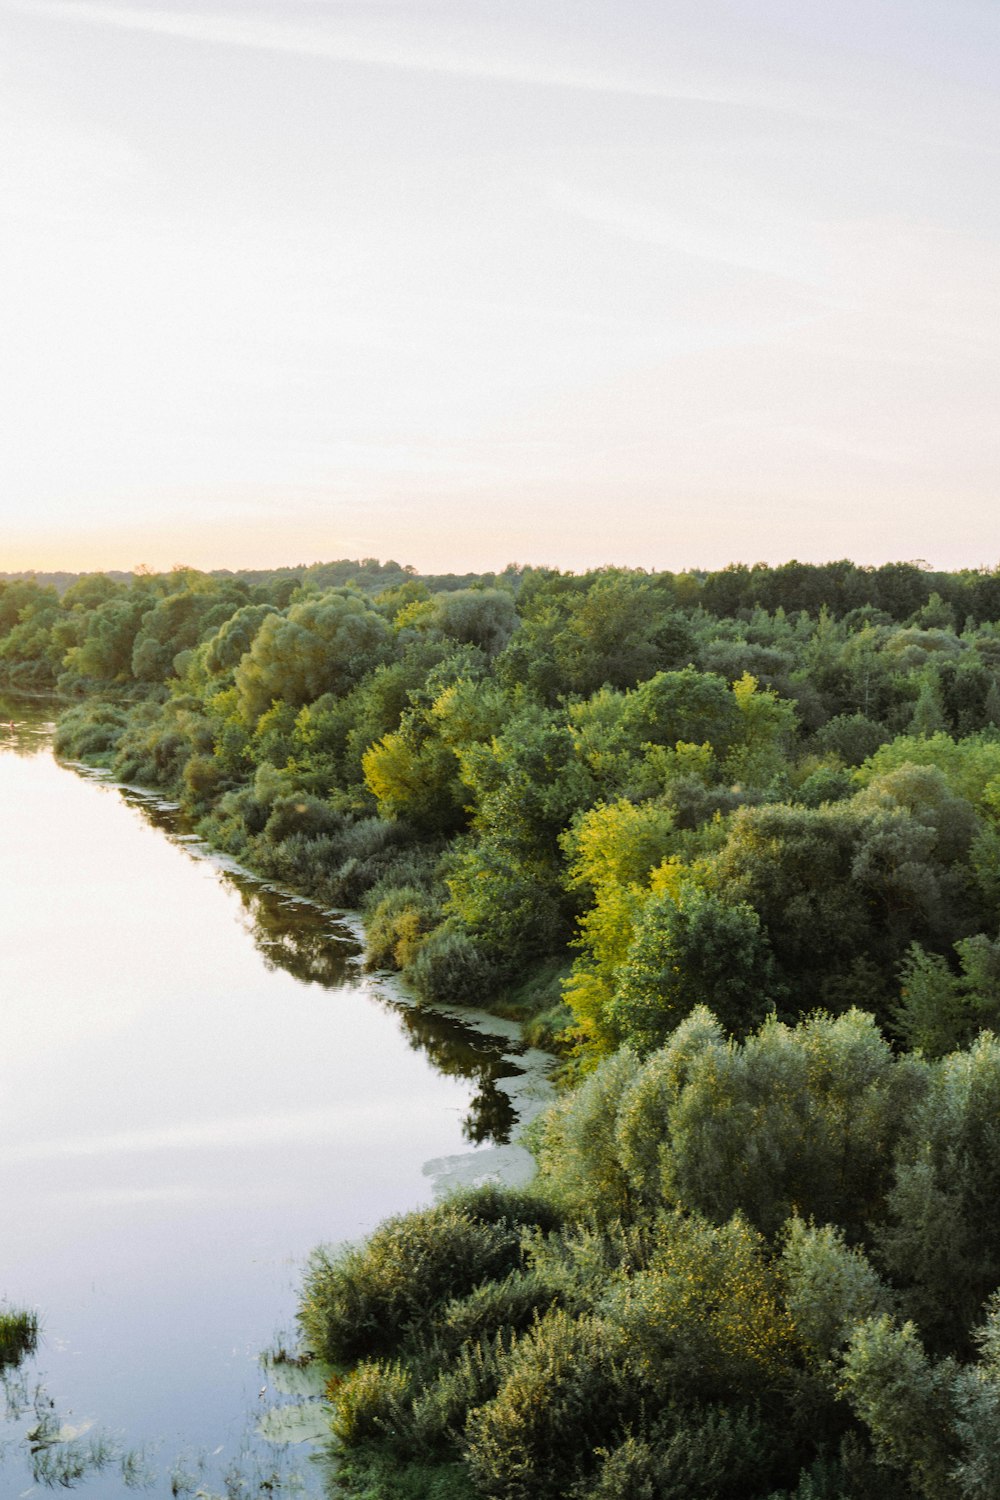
18	1335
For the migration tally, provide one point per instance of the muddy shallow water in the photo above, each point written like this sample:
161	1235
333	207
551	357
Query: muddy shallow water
198	1083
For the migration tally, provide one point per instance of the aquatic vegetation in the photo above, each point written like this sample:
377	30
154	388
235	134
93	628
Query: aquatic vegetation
18	1335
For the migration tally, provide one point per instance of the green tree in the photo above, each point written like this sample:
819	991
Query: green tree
941	1010
794	866
692	948
905	1402
941	1240
325	644
798	1120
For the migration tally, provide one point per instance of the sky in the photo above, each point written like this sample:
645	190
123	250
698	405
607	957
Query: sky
663	283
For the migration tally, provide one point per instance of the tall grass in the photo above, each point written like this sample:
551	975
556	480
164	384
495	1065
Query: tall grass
18	1335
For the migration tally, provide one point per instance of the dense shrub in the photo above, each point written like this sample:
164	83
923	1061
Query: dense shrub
452	966
440	1410
368	1300
711	1453
90	731
501	1306
372	1403
396	926
568	1389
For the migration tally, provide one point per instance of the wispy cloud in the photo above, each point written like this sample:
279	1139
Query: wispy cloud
746	232
384	46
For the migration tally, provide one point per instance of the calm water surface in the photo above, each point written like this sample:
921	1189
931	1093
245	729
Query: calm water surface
197	1085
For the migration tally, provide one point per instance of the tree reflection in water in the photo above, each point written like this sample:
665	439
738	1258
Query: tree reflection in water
457	1050
315	946
25	728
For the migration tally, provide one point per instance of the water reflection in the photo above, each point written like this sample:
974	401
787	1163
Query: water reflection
25	727
206	1118
66	1455
316	946
454	1049
61	1454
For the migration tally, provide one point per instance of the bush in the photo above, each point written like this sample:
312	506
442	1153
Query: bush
568	1387
302	815
202	779
706	1316
578	1147
91	731
452	966
713	1453
372	1404
851	736
396	926
440	1411
511	1305
825	784
370	1300
368	851
694	945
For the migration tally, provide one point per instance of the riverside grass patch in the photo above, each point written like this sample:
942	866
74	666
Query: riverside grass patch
18	1335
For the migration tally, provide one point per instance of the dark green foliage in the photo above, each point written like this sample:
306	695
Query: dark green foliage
485	618
380	1474
794	867
568	1390
942	1238
712	1453
501	1306
941	1010
173	625
579	1147
325	644
688	705
795	1120
233	639
694	948
510	903
465	1381
906	1402
365	1301
90	732
824	785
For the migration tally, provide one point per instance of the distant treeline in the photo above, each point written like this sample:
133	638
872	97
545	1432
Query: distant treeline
731	842
897	588
367	574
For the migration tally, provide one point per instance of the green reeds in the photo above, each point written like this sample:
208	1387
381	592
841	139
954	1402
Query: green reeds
18	1335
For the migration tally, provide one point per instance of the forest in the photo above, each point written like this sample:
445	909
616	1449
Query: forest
727	842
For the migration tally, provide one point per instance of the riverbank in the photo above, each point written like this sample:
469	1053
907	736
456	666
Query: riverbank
225	1088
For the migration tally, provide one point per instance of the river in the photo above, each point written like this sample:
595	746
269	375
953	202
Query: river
198	1083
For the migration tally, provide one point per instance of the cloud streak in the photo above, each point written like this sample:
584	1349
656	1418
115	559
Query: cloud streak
373	47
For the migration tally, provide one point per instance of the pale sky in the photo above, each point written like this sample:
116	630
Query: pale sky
667	283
